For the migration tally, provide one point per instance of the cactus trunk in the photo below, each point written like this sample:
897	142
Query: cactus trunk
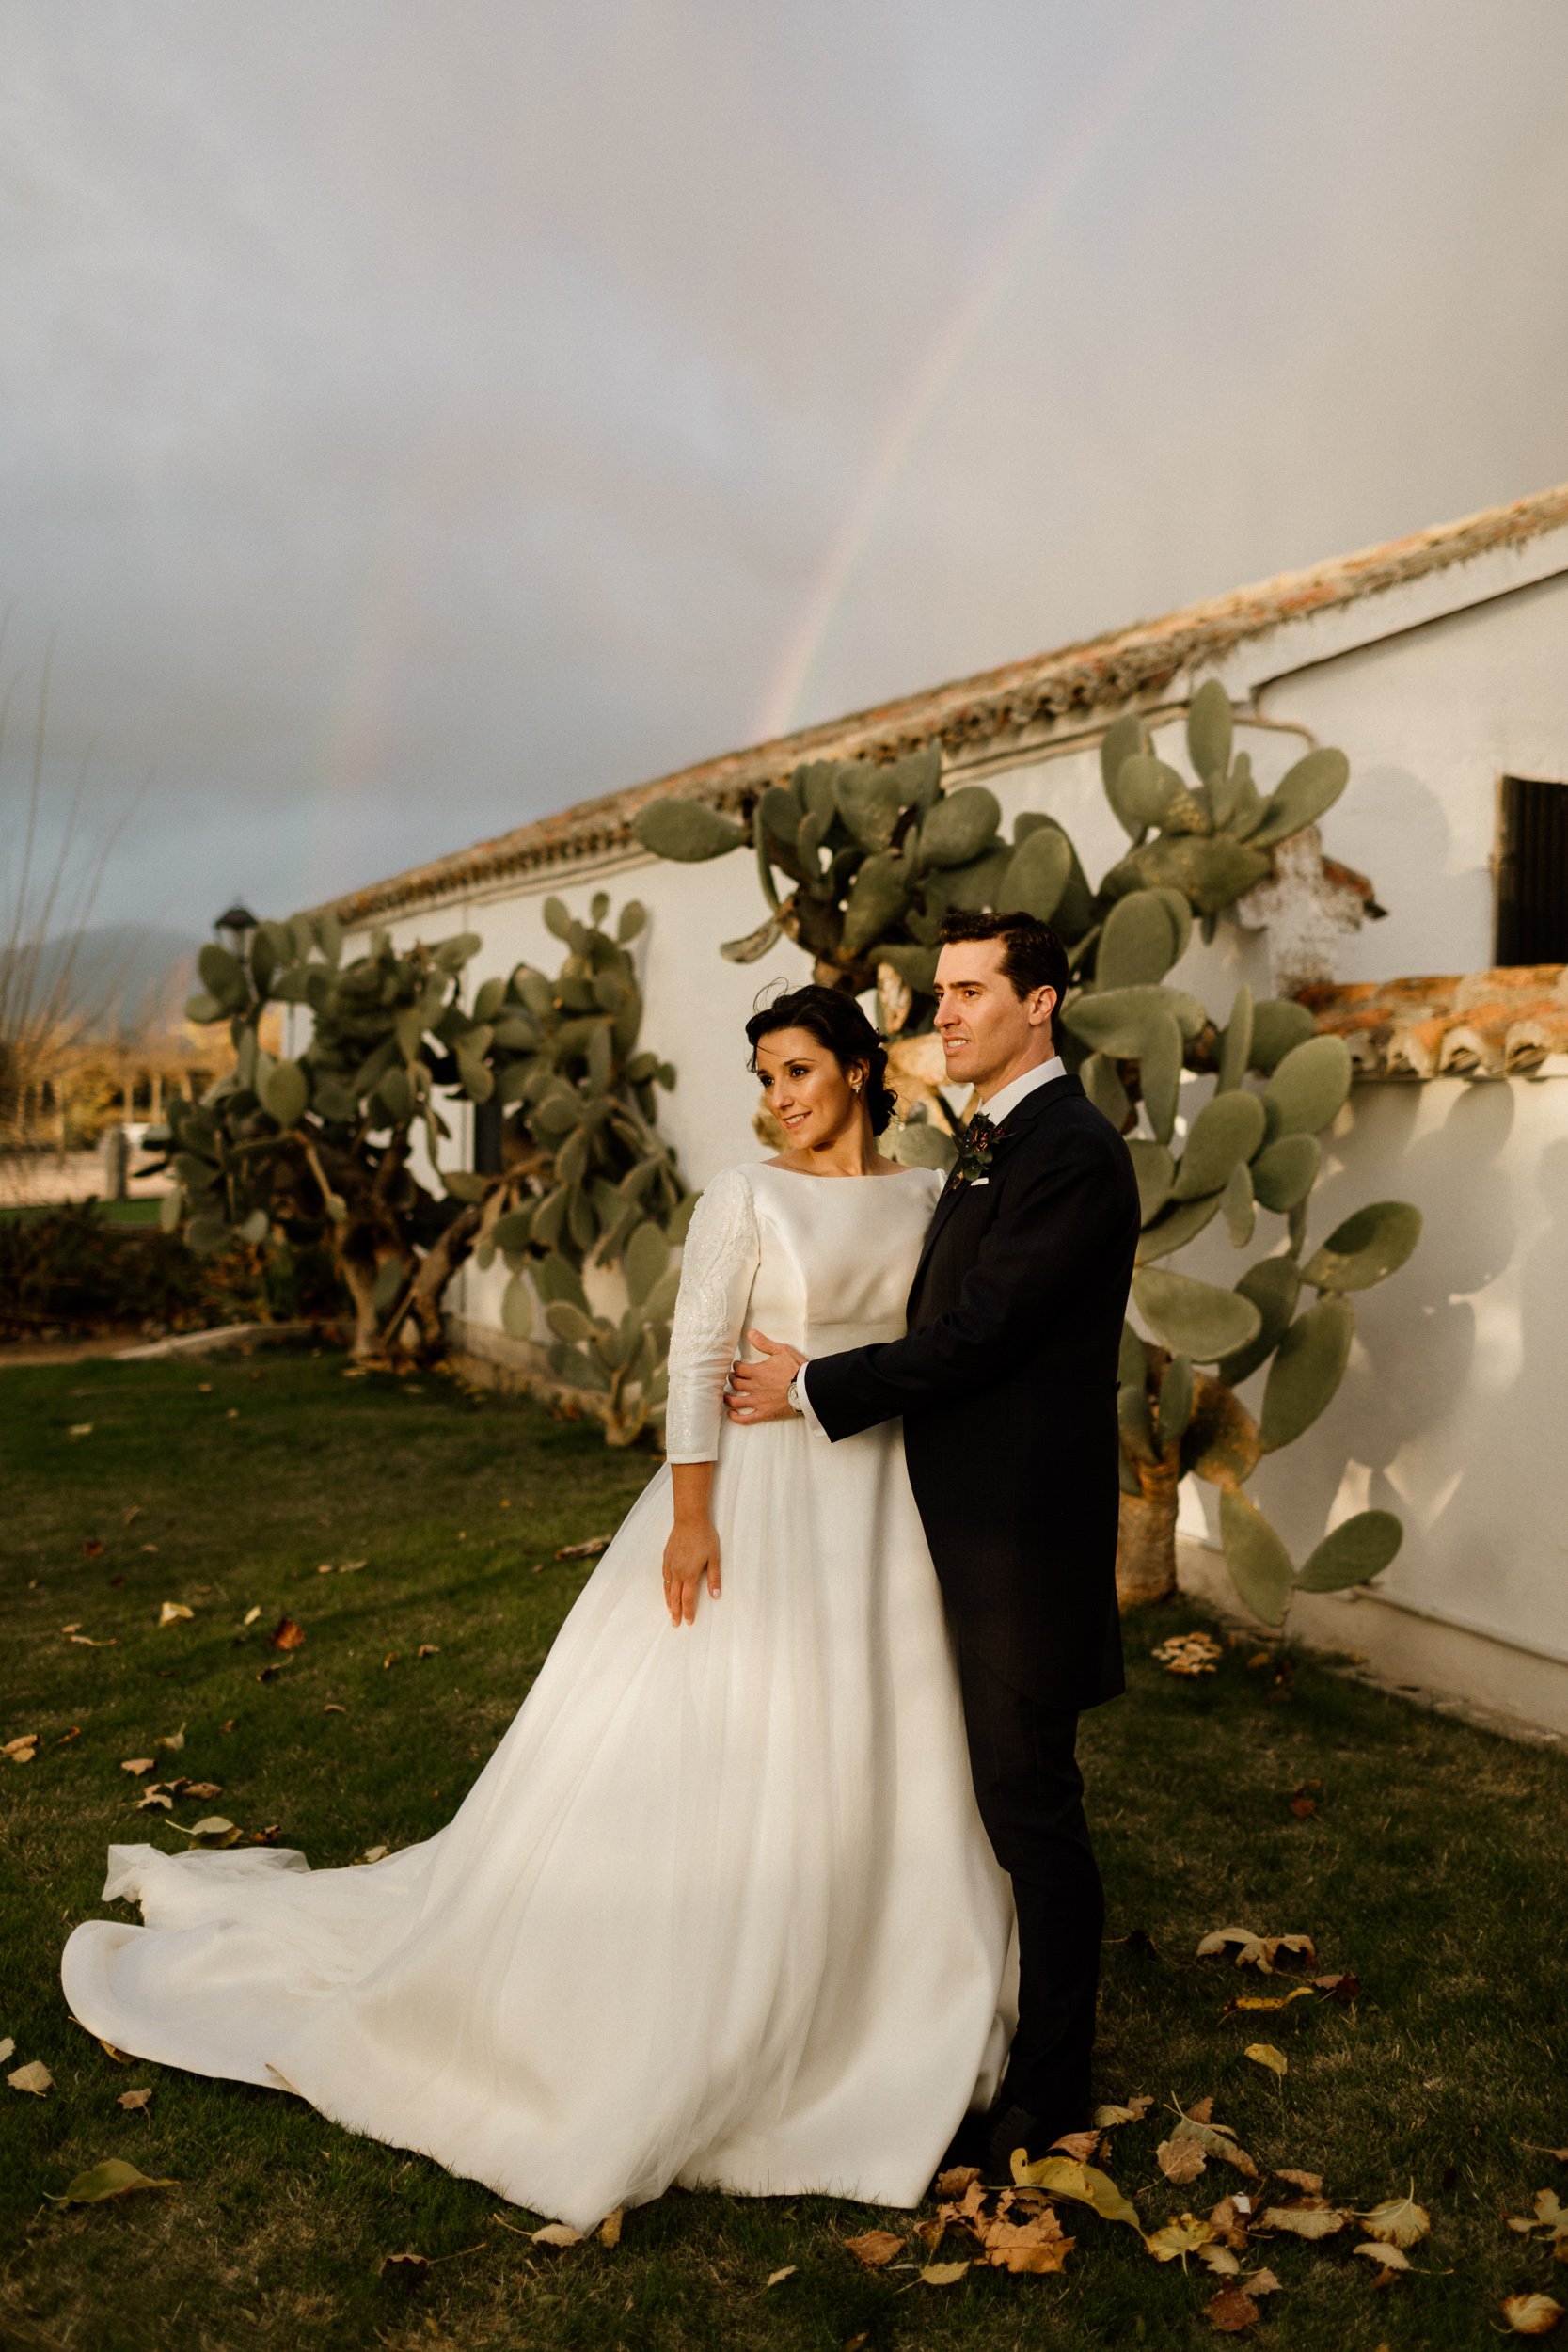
1146	1541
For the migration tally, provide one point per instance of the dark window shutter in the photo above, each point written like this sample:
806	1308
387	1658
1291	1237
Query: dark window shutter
1532	872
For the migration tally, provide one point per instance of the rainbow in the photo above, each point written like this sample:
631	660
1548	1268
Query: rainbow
1042	205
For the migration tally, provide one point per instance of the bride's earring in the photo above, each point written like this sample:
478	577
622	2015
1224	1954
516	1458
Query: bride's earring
855	1082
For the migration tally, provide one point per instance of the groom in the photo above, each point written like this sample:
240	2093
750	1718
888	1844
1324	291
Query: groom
1006	1383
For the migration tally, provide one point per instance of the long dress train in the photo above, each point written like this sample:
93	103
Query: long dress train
719	1910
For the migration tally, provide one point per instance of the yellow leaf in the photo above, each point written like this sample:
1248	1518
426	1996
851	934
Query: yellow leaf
114	2179
1063	2176
609	2232
1309	2217
776	2278
556	2233
1264	2053
172	1611
1400	2222
35	2077
1273	2000
1391	2257
21	1750
138	1764
251	1614
1177	2239
1106	2119
876	2250
937	2274
1311	2182
1220	2260
1531	2314
134	2101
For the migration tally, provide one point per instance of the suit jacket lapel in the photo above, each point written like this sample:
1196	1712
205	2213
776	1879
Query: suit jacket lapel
1014	1124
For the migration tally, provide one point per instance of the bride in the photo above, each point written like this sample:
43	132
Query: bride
719	1910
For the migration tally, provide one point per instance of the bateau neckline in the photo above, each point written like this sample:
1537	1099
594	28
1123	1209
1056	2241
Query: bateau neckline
869	1178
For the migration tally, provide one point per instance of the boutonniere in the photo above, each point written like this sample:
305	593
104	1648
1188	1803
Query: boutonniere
977	1145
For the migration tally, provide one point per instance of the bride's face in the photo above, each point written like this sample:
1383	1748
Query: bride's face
807	1092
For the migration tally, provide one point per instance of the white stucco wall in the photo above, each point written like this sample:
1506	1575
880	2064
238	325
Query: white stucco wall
1450	1411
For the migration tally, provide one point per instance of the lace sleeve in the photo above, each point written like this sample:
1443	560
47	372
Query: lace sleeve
721	1258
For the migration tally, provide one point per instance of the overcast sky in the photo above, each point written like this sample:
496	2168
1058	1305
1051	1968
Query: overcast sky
415	415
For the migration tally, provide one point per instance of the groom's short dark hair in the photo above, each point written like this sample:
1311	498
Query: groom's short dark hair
1031	955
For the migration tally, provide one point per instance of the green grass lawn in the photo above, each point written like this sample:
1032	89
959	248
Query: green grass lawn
1431	1869
132	1213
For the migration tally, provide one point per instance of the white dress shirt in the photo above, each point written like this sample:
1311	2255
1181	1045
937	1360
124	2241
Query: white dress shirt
996	1107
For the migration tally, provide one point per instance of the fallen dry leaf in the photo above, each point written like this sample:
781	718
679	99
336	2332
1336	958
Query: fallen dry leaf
154	1800
1549	2214
286	1634
609	2231
405	2269
556	2233
1531	2314
138	1764
35	2077
93	1547
876	2250
1036	2245
1303	1804
1060	2176
22	1749
590	1550
80	1429
1391	2257
7	2047
953	2182
777	2278
66	1737
334	1707
1232	2310
1216	2140
1188	1654
1264	2053
1339	1986
1311	2182
134	2102
1536	2150
1262	2282
1181	2160
428	1649
1270	2000
1220	2260
1080	2144
1186	2234
172	1611
85	1641
1258	1951
203	1788
173	1742
1307	2218
1400	2222
114	2179
251	1614
1107	2118
934	2274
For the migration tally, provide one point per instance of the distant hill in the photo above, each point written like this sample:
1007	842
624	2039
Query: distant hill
127	974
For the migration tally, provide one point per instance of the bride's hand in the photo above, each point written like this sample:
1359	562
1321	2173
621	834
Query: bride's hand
690	1560
691	1554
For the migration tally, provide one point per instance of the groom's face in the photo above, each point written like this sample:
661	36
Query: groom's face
986	1027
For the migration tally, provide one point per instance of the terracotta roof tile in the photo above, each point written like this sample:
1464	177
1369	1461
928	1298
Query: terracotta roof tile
1074	683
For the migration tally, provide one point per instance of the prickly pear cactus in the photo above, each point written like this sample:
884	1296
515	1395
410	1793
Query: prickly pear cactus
322	1145
591	1179
872	855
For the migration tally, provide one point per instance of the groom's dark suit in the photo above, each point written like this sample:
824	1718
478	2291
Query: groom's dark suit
1006	1382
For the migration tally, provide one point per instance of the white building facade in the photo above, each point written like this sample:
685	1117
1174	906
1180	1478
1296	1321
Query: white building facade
1439	665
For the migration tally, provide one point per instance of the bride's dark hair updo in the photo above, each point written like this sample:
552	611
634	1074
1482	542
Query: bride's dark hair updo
835	1020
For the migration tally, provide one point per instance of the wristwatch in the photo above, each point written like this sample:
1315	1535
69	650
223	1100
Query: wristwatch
792	1396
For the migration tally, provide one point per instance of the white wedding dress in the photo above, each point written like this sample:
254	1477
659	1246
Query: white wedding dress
719	1910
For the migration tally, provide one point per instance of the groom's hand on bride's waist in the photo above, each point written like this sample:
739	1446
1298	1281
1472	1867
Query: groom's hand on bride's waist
760	1392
